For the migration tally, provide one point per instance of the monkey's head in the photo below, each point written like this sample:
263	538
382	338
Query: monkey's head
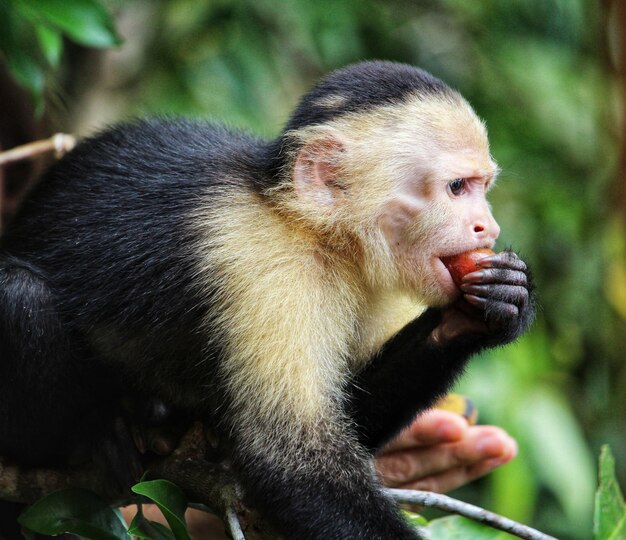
391	167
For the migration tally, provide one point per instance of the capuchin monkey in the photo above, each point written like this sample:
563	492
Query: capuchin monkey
269	288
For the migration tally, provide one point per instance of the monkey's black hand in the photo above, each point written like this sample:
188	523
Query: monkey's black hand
497	304
142	428
157	427
117	454
502	293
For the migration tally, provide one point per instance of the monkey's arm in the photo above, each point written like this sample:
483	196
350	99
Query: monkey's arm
422	361
325	492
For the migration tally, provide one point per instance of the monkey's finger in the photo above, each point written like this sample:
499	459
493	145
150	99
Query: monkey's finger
495	306
506	259
117	453
497	275
495	310
512	294
501	316
477	301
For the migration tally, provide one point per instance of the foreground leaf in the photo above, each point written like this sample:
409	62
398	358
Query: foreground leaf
609	520
414	519
561	458
460	528
84	21
76	511
51	44
170	500
141	527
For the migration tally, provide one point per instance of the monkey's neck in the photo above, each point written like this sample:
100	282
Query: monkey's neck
278	266
294	325
287	320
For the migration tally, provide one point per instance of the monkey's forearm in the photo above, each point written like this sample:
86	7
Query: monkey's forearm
420	363
407	376
328	495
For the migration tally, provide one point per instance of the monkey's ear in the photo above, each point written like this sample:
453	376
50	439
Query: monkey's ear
316	172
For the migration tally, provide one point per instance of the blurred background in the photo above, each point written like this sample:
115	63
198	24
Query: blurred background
546	75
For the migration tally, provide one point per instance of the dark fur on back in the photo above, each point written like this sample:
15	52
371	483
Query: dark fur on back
109	222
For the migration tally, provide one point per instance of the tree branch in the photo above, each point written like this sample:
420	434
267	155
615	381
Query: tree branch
197	467
443	502
200	469
60	143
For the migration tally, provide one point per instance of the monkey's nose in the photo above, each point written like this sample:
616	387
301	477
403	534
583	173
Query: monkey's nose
487	229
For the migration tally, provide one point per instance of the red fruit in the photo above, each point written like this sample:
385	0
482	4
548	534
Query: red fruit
464	263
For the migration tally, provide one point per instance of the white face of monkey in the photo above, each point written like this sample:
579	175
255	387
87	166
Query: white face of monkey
440	212
410	182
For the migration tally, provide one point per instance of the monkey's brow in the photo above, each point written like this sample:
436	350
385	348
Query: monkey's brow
489	174
491	178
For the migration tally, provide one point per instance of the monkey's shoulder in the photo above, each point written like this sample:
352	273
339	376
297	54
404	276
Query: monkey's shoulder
156	148
146	166
134	175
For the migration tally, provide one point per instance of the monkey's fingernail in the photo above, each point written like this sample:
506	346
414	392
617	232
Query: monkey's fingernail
161	447
476	300
471	288
474	277
486	262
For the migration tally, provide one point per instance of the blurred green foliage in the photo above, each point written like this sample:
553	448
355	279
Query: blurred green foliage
32	34
540	73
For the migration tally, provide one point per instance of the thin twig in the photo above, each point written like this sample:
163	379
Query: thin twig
59	143
443	502
232	520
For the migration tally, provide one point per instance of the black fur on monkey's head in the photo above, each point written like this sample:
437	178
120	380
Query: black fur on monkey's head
360	87
351	90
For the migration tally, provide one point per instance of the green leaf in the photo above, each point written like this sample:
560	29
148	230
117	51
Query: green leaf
460	528
30	535
23	61
609	520
85	21
415	519
7	36
557	447
76	511
141	527
26	71
170	500
51	44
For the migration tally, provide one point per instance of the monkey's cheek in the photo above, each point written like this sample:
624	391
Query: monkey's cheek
446	285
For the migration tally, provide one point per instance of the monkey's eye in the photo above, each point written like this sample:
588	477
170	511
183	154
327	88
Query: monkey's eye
457	186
